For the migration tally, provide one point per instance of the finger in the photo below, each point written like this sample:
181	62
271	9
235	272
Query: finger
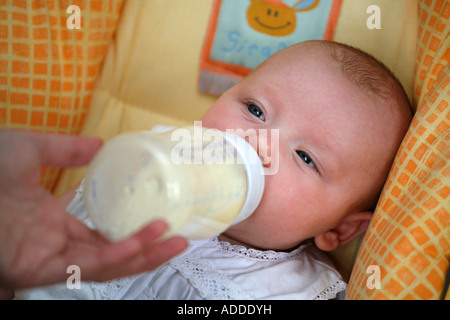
111	255
78	231
162	252
120	251
65	150
141	252
154	256
6	294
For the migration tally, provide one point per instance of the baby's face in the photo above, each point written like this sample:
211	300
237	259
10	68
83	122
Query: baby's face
333	151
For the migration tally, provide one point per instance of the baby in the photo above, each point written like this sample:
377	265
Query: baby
341	117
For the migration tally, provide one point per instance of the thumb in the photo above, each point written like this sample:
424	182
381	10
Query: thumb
22	153
65	150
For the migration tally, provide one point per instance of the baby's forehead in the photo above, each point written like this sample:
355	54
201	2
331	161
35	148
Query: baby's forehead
305	68
331	65
312	50
338	65
299	60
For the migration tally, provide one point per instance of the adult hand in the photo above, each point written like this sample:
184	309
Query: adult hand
39	239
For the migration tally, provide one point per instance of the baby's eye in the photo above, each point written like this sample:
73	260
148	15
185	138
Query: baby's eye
305	158
256	111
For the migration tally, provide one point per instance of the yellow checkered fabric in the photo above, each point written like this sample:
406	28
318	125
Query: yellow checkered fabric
409	236
48	68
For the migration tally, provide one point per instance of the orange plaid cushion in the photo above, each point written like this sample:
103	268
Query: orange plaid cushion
409	236
48	70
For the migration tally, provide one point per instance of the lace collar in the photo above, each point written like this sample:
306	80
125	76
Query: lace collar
258	254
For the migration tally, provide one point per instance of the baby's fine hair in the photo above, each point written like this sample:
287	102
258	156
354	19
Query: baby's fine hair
370	74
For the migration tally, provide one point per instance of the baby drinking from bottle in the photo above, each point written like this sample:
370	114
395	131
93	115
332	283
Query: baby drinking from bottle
339	117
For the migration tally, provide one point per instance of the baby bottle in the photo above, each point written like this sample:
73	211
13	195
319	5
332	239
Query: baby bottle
199	180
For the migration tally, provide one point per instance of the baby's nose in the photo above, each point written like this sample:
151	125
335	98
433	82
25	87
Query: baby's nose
260	142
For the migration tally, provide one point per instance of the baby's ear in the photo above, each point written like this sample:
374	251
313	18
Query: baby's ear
345	231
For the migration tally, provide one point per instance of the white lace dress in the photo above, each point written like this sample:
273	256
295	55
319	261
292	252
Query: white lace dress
216	270
212	269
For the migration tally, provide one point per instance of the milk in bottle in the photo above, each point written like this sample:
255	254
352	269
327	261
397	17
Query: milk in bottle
199	180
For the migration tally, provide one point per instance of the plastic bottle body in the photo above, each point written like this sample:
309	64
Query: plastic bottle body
197	185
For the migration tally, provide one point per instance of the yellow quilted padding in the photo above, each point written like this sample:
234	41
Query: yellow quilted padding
149	75
409	236
48	68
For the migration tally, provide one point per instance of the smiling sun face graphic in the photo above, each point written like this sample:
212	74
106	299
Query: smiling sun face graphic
274	17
